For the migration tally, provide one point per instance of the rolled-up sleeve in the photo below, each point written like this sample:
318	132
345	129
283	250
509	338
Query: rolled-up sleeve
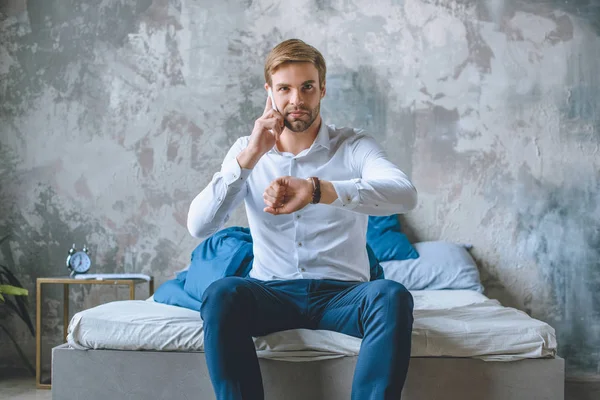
382	189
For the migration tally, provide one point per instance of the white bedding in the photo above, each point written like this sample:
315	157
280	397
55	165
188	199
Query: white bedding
458	323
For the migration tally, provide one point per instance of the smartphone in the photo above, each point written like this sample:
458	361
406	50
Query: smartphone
272	100
273	105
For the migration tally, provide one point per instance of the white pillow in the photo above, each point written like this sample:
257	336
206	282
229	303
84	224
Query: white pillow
441	265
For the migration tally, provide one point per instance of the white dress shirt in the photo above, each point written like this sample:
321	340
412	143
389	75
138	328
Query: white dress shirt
319	241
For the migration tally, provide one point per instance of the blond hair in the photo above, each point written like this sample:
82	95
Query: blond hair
294	50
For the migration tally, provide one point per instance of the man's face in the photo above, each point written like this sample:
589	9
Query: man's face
297	94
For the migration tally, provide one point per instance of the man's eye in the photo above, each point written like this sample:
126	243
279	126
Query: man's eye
282	89
308	87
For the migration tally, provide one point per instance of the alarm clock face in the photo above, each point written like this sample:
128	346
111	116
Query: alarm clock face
80	262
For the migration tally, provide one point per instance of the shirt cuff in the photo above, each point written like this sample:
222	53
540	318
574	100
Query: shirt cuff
234	175
347	191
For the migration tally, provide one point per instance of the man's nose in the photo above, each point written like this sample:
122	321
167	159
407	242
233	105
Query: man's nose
297	98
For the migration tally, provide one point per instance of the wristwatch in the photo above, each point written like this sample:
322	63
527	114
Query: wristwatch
316	196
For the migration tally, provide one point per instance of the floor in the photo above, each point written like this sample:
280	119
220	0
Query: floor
24	389
589	390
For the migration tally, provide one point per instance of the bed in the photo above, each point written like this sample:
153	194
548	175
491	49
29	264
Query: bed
464	346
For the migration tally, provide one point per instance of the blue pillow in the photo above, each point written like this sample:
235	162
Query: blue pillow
387	240
226	253
171	292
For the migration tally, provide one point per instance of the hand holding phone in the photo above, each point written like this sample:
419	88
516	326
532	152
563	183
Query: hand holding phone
267	130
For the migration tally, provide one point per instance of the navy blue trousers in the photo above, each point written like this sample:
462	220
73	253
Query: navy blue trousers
235	309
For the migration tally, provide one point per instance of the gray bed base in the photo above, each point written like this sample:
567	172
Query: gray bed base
145	375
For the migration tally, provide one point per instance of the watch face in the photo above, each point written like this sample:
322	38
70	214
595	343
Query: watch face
80	262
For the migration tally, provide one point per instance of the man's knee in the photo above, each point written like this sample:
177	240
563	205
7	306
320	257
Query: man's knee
223	298
392	293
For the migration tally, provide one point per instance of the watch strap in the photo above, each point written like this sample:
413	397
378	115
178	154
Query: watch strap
316	195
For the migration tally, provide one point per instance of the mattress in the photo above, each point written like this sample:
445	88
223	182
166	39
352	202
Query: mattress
447	323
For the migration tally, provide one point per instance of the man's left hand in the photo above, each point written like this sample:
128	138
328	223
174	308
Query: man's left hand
287	194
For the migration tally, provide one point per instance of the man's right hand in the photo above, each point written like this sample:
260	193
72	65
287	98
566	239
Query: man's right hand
264	136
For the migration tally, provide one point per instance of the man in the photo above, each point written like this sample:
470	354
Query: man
308	189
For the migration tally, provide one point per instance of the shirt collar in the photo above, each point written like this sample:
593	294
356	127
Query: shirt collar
322	140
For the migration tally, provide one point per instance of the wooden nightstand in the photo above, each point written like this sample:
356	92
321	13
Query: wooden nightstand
66	281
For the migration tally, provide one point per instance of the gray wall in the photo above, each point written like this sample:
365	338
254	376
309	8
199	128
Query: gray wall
115	114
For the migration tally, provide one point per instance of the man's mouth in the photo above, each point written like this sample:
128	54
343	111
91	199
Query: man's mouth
297	114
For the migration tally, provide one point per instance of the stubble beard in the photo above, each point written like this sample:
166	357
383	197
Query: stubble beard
301	125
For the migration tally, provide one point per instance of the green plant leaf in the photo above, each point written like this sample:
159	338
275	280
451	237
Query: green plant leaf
21	302
1	298
13	290
10	277
19	306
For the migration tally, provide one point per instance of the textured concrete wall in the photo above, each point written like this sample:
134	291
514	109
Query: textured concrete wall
114	114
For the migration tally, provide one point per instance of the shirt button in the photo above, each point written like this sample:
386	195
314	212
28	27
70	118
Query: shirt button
302	269
297	216
299	244
348	198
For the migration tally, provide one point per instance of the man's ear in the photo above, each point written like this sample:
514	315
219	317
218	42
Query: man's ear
323	90
266	86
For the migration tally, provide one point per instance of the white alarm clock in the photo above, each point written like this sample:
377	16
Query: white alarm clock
78	262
